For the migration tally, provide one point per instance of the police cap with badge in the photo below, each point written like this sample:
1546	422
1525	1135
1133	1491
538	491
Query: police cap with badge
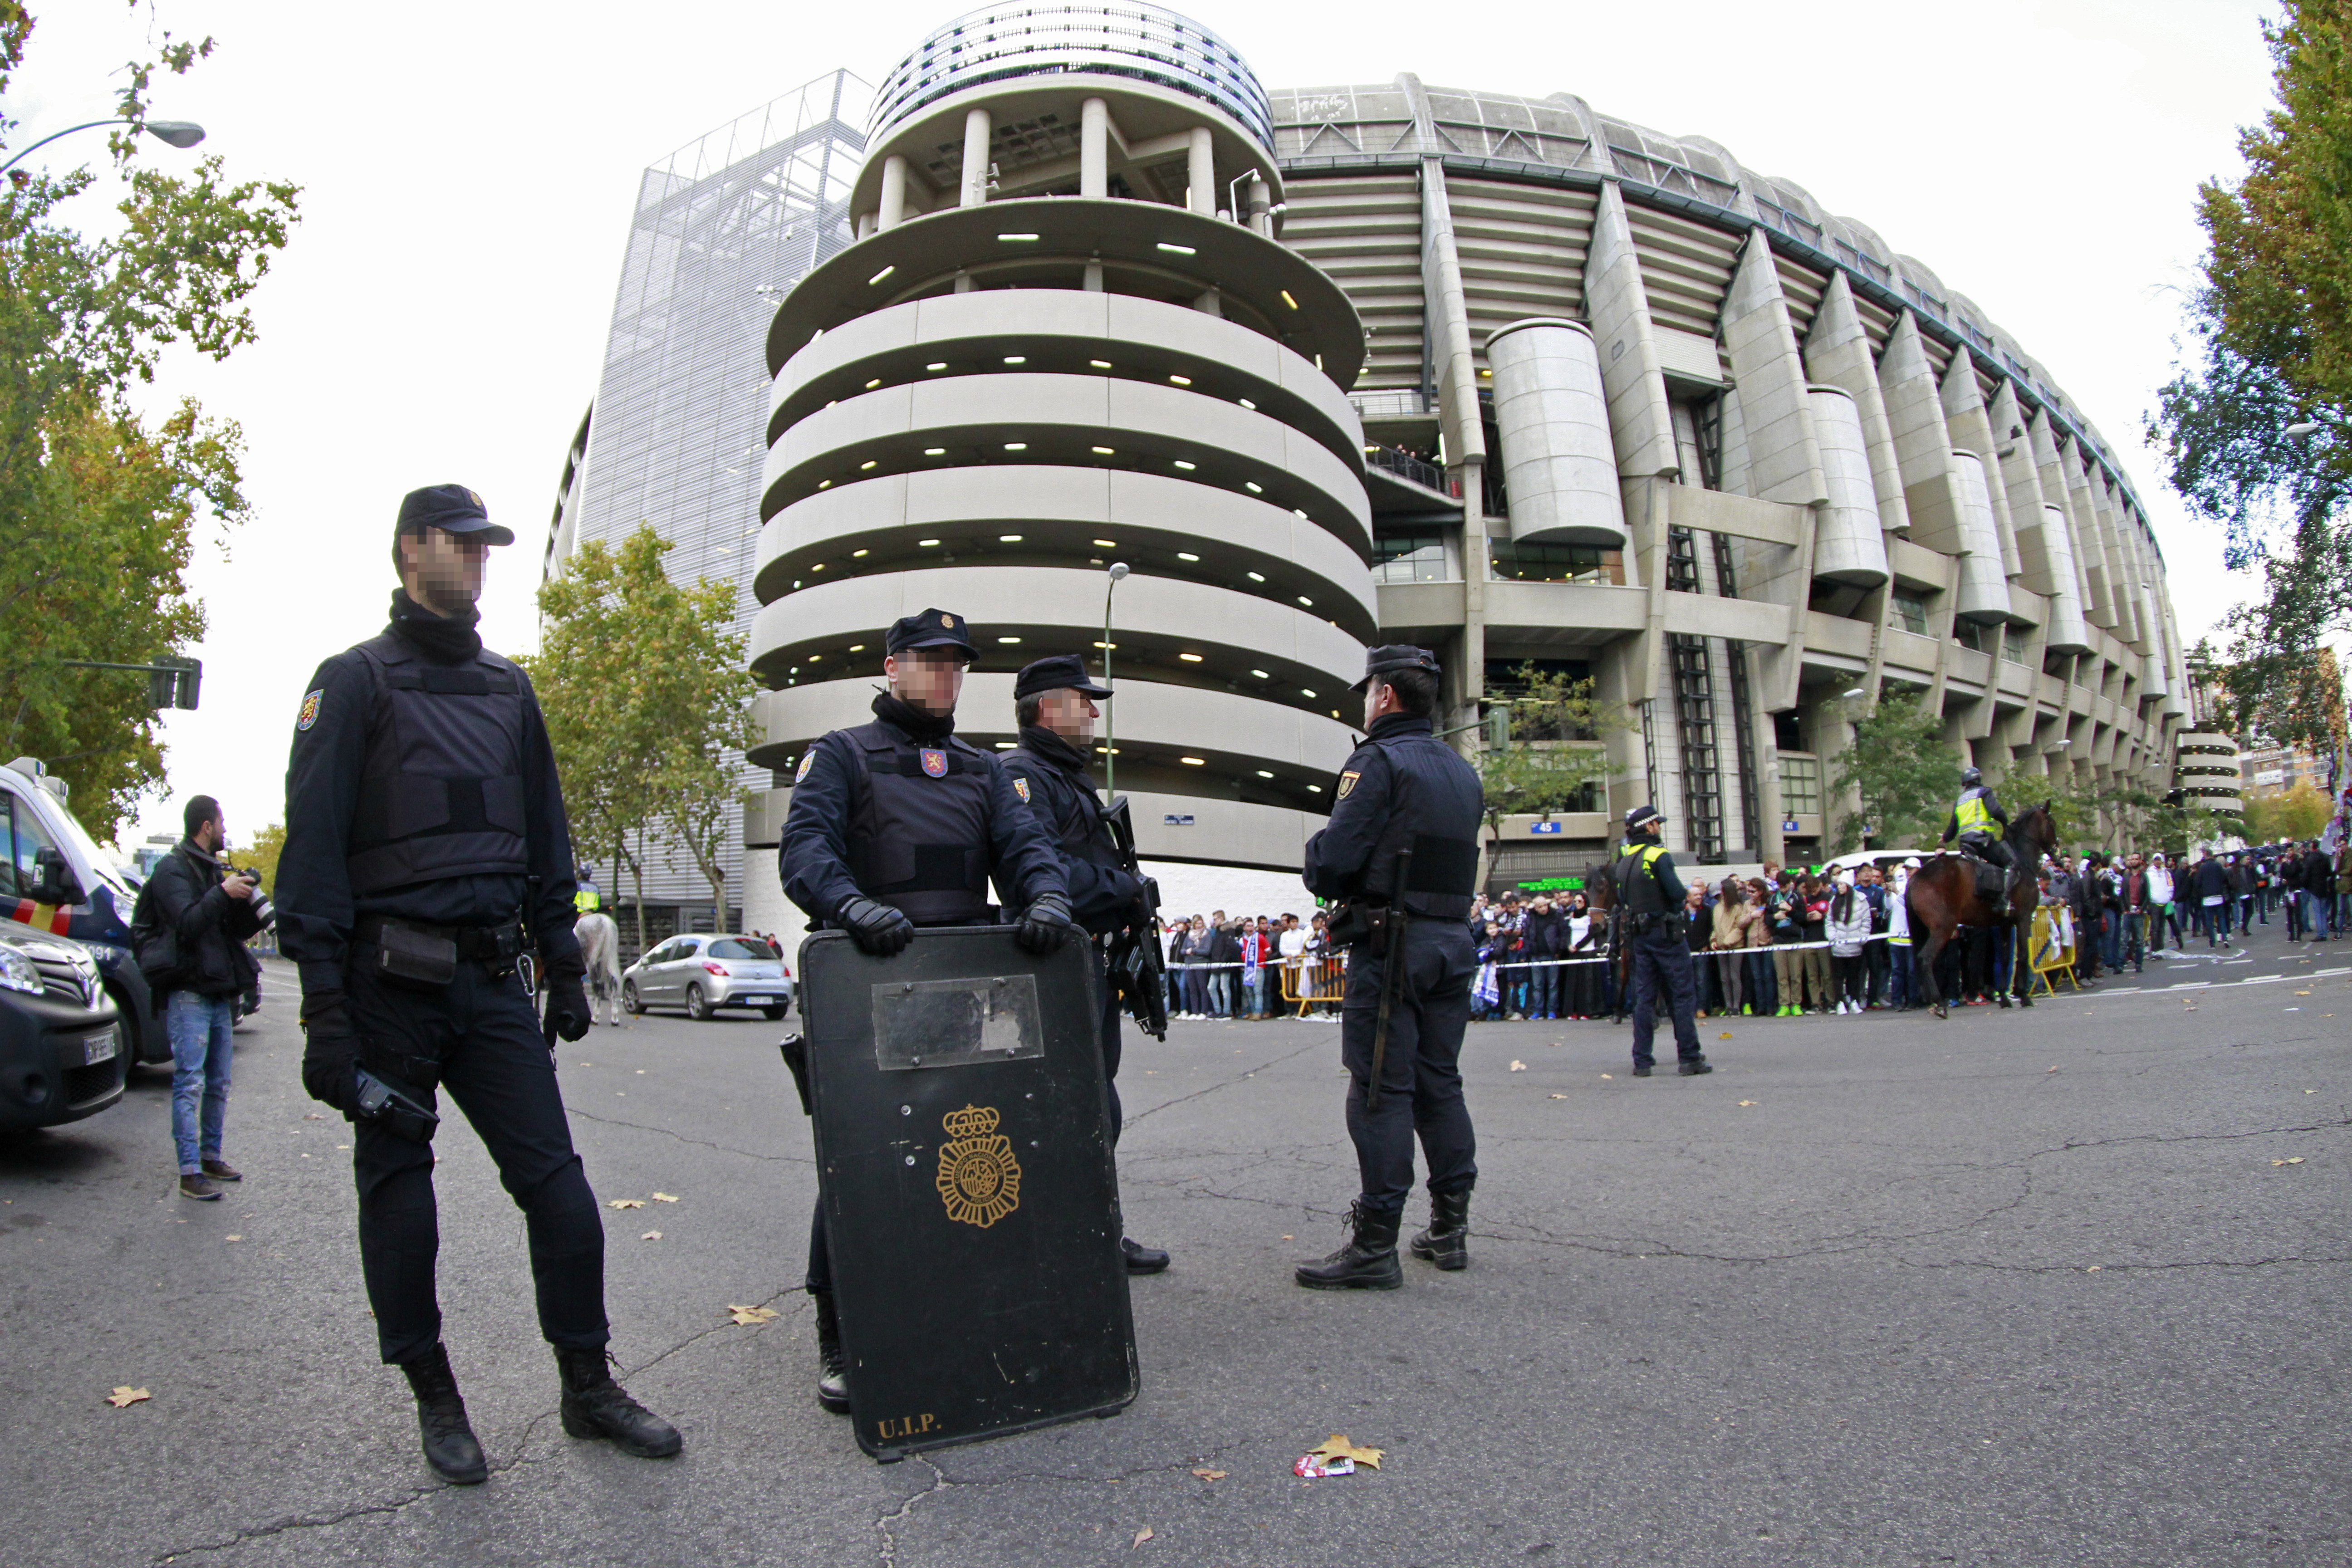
929	628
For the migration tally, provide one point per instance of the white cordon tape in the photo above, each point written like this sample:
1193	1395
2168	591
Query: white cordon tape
1179	967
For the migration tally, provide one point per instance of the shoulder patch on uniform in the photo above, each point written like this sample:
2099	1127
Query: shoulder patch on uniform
1347	782
808	760
1021	786
309	714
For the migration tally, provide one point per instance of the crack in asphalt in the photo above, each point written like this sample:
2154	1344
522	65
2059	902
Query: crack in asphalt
1216	1087
698	1143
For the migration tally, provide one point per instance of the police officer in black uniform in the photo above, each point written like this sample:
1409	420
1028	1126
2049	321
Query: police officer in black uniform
898	824
1053	703
425	851
1403	789
1650	896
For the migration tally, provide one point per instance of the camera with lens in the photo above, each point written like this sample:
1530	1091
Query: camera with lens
264	911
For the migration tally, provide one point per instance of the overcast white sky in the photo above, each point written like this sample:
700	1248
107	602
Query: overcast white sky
468	171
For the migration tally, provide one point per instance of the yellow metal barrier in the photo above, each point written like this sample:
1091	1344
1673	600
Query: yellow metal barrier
1307	981
2049	953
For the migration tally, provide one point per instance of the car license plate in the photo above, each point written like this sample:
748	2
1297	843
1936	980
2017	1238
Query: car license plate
759	1001
98	1048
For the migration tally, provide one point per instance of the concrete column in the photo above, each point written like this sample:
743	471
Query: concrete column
977	129
893	191
1448	327
1971	430
1784	460
1201	169
1261	213
1094	148
1641	424
1923	446
1837	354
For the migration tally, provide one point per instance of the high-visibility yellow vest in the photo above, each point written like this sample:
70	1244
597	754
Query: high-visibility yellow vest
1974	817
584	900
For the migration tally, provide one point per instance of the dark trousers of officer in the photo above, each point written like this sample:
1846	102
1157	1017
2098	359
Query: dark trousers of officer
496	1065
820	1258
1421	1071
1663	962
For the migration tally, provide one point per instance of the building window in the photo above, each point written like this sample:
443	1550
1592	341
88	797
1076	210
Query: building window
1410	558
1969	635
1800	785
1524	562
1911	612
2013	645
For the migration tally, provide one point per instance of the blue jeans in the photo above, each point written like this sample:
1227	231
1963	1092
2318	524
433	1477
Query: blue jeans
1221	993
1899	983
198	1028
2315	916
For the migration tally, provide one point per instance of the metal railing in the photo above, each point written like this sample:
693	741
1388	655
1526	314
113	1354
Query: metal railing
1405	466
1390	402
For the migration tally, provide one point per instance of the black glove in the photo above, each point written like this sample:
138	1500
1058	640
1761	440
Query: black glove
567	1004
1047	925
330	1051
878	929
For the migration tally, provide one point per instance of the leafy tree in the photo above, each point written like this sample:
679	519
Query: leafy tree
2271	345
1557	754
259	852
2298	812
1902	773
644	688
99	506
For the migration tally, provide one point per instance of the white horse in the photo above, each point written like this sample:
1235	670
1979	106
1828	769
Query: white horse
600	946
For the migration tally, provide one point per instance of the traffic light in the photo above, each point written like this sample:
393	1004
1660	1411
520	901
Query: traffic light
172	683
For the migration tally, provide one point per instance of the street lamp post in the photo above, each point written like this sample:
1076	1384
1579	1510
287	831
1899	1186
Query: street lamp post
178	132
1110	729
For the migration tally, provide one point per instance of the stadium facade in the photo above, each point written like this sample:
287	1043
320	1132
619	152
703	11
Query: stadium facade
1504	376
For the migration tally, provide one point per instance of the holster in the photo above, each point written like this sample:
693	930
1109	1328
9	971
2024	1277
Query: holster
1359	921
795	1051
396	1111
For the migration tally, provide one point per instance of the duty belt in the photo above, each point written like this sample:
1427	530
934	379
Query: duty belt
496	945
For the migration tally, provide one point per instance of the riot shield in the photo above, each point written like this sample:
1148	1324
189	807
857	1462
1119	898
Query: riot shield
963	1146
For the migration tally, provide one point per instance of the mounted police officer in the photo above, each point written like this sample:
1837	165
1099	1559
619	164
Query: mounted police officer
1649	896
1402	790
1054	704
426	852
898	824
1978	823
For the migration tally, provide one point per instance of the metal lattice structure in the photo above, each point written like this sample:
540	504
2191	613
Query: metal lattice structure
722	227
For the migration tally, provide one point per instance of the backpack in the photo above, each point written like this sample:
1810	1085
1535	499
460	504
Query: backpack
155	945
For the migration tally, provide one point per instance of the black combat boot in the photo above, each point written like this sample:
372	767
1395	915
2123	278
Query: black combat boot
449	1445
1368	1261
596	1406
833	1367
1446	1242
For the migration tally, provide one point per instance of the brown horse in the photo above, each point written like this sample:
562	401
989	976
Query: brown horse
1943	897
1600	899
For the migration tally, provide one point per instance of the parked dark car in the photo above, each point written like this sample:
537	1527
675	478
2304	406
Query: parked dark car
64	1043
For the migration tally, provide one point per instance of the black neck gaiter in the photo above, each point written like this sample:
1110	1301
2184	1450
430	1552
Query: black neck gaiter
930	729
1053	748
444	639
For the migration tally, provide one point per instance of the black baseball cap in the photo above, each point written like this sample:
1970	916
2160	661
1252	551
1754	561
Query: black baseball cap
1061	672
1382	662
452	509
931	629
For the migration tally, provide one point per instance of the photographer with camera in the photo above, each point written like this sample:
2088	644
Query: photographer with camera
193	915
427	854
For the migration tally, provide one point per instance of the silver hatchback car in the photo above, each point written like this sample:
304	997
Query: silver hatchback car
705	973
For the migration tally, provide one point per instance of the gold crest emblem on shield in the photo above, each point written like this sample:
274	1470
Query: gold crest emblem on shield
979	1180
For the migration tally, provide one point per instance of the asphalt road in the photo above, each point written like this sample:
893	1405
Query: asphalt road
2022	1288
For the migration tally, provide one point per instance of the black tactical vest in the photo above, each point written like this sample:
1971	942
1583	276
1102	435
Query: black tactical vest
920	833
1076	810
1433	810
441	789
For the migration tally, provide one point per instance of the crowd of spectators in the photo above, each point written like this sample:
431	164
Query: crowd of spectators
1787	943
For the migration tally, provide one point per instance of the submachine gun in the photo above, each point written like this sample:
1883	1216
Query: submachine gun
1138	970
